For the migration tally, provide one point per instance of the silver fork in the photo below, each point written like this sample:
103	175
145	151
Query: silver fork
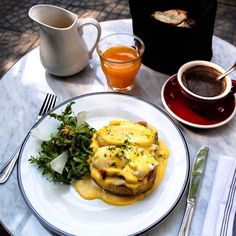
6	170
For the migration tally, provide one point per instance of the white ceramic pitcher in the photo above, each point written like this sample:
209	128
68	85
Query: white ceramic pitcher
63	50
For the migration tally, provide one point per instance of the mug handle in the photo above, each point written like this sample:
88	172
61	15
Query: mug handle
233	89
91	21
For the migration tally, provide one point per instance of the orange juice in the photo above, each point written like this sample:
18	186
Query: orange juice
120	64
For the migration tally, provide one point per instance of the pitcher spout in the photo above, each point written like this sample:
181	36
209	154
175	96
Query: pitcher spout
50	16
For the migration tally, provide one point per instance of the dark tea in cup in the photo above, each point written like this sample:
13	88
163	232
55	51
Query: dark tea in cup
198	84
201	80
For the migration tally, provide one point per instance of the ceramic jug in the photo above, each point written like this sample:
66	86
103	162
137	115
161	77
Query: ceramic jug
63	50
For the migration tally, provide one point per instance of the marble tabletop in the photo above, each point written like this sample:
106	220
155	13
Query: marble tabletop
23	89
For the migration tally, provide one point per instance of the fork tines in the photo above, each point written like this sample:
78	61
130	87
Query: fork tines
49	103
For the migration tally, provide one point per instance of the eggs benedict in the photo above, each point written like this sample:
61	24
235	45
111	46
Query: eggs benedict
125	157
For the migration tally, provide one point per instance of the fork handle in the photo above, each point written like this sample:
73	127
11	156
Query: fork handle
6	170
8	167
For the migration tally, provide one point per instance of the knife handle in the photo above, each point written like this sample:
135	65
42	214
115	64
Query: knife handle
186	223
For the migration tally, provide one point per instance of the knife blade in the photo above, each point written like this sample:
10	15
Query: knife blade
197	172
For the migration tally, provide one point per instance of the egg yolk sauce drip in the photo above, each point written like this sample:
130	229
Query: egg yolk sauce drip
128	163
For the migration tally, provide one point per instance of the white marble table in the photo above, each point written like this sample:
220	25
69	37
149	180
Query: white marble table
23	89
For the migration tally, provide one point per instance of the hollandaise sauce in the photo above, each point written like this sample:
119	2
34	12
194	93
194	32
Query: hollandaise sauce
89	190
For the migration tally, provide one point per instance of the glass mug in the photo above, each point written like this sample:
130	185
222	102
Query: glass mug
120	56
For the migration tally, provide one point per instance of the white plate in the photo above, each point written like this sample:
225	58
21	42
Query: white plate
62	210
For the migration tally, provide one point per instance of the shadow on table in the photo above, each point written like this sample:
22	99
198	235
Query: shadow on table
80	83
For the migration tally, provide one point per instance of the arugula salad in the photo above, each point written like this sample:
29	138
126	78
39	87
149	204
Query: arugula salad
63	157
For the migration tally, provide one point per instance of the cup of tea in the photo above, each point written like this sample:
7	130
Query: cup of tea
120	56
198	84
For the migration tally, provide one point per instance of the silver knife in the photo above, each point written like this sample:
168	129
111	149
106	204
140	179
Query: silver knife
194	186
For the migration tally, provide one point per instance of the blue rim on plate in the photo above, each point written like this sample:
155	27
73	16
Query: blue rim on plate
116	98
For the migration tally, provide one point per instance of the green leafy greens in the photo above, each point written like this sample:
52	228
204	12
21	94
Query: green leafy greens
71	138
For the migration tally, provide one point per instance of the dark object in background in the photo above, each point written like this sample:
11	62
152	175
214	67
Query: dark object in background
3	230
168	46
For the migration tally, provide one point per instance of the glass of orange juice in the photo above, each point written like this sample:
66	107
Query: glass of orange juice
120	55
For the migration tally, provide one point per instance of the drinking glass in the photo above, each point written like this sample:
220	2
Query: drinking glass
120	55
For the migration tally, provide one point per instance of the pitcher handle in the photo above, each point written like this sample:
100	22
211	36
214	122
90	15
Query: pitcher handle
91	21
